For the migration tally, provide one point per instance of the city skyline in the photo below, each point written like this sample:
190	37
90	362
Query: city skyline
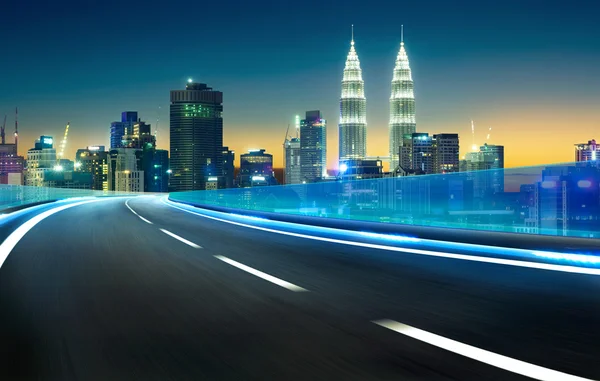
500	77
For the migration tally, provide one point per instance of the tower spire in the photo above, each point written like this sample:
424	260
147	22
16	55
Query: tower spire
352	35
402	33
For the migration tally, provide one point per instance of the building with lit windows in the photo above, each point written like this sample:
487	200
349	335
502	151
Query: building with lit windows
124	170
68	180
122	128
313	147
94	160
196	132
139	135
293	169
489	158
589	151
402	106
256	169
11	164
446	156
228	167
416	153
40	159
353	110
155	164
360	169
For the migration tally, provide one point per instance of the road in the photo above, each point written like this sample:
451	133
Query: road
146	291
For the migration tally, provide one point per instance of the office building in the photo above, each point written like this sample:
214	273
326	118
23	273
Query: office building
94	160
360	169
196	133
567	201
228	167
155	164
256	169
313	147
68	180
416	154
119	129
589	151
353	110
139	136
402	105
40	159
11	165
293	169
489	158
446	149
124	170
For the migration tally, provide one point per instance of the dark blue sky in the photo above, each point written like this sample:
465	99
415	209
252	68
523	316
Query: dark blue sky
525	67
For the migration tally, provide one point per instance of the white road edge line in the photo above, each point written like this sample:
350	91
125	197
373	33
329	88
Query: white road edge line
473	258
190	243
11	241
507	363
134	212
260	274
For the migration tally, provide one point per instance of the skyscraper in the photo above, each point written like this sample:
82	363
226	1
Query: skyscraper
402	105
416	153
228	167
94	159
445	153
40	159
122	128
587	151
313	147
353	110
196	136
124	170
293	169
256	169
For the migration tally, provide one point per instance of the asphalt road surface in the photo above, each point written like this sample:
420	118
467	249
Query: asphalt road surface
145	291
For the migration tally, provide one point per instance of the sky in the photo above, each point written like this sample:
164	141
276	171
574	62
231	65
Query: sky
526	68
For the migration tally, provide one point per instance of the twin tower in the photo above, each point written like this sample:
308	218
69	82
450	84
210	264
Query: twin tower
353	108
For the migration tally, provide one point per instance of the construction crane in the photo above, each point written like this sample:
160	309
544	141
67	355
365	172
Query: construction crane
61	153
2	134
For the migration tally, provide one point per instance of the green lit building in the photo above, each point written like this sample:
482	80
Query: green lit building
196	137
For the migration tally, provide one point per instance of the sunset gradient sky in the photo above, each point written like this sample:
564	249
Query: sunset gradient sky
529	69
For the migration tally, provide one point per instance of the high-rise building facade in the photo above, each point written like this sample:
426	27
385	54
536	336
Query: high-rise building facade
313	147
228	167
353	110
293	169
196	133
124	170
416	153
119	129
402	105
94	160
138	136
256	169
155	164
589	151
40	159
446	153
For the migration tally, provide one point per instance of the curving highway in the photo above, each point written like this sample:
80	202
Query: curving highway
145	289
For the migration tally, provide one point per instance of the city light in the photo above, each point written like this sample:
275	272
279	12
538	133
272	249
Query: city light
343	168
584	183
189	80
213	178
169	171
58	168
77	164
258	178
